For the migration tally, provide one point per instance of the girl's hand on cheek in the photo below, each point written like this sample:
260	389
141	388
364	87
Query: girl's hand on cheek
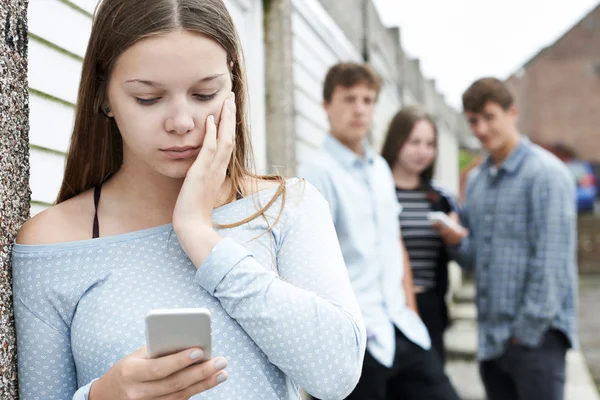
192	217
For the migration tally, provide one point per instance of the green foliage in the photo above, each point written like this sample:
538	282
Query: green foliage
465	157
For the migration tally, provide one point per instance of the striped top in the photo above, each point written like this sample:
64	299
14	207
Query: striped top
423	243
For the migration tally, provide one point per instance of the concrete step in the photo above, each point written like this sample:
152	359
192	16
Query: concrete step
461	341
463	311
465	378
580	385
462	367
466	294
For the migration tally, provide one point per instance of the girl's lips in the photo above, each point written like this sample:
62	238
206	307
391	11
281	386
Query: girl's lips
181	153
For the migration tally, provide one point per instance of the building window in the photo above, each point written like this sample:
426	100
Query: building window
597	68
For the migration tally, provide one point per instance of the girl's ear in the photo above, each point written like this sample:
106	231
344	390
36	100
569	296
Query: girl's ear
106	110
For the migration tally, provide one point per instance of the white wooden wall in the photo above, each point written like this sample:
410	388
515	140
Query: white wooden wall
447	174
389	101
59	31
409	97
55	56
248	18
446	169
318	43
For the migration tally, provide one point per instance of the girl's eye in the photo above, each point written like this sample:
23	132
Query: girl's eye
205	97
147	102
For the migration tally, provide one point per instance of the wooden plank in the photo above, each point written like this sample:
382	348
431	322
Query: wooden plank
243	5
308	132
309	47
88	6
46	175
304	151
326	29
53	72
387	106
310	109
247	16
71	34
37	208
50	123
305	80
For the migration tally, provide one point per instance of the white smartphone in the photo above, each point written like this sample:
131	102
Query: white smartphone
438	216
169	331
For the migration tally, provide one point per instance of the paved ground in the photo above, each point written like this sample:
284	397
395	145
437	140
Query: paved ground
461	342
589	322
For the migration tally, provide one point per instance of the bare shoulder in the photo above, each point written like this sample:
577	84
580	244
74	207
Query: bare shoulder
66	222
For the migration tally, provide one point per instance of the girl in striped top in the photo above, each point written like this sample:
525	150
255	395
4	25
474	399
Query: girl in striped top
410	149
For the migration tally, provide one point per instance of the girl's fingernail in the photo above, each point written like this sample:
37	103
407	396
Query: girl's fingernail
222	377
196	355
220	364
211	118
231	101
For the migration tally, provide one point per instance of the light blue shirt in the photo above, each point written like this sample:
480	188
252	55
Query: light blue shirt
283	311
365	211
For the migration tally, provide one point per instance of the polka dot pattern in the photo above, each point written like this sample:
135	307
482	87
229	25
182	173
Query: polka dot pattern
284	314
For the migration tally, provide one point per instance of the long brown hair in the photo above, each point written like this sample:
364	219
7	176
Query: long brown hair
398	133
96	150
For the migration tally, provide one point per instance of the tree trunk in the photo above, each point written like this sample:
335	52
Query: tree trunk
15	194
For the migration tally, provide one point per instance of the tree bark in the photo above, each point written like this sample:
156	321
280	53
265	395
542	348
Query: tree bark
15	194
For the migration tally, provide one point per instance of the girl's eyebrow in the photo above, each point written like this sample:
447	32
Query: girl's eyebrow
156	84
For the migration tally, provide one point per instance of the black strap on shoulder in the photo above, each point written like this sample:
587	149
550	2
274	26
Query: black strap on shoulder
96	228
238	195
438	200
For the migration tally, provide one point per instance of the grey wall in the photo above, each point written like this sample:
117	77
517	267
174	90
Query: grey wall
348	15
382	46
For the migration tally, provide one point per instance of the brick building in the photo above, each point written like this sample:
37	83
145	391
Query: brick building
558	91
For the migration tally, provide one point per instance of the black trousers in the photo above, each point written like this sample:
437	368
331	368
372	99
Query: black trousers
432	312
524	373
416	374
